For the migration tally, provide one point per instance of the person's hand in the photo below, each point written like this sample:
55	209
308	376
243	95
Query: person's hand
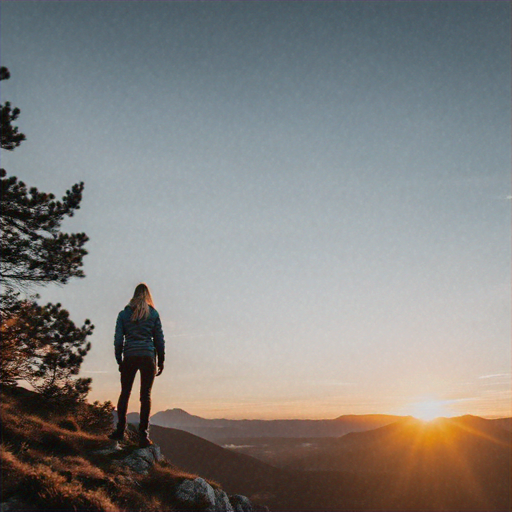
120	367
160	369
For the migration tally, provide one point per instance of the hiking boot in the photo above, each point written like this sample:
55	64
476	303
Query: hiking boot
144	442
117	435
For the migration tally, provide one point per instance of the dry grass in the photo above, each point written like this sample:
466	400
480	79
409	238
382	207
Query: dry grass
48	462
18	428
49	489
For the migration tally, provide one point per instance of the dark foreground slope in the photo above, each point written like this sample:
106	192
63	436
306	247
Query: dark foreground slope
236	473
55	460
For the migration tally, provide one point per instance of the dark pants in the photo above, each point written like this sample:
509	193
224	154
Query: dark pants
147	367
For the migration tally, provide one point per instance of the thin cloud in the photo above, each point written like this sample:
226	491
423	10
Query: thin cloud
494	376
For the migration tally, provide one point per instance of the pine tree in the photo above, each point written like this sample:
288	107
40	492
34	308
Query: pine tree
39	344
11	138
34	250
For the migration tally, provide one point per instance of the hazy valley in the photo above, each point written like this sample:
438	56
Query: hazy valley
382	463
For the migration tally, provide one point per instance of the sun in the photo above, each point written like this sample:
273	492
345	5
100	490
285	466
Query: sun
428	410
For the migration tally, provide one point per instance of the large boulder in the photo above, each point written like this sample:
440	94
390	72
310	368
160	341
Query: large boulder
222	503
196	493
241	503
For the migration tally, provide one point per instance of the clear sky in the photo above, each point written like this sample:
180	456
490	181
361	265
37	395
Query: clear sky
317	194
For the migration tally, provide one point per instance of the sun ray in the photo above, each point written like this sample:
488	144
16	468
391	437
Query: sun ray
434	455
450	441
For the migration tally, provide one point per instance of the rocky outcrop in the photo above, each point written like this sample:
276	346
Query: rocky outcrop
191	494
142	460
222	501
198	494
139	461
241	503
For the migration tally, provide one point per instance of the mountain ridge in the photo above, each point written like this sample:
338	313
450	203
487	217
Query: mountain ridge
218	429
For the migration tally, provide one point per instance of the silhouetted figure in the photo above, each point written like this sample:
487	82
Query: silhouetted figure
139	343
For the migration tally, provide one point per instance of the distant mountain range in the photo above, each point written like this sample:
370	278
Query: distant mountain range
222	430
219	429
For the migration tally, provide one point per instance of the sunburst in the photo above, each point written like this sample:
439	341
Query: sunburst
428	410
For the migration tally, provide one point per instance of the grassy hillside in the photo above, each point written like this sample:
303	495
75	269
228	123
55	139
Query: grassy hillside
48	462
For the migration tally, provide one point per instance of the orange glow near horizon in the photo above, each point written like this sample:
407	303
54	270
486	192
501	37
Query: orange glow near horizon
428	410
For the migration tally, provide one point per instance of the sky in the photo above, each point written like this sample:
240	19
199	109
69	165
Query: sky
316	193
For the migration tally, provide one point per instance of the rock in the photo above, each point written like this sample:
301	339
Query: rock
196	493
15	504
241	503
222	503
192	494
141	460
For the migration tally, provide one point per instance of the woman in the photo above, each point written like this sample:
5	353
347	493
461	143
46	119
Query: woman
139	342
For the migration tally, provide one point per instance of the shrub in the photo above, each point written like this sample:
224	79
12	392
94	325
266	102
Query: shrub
68	424
95	418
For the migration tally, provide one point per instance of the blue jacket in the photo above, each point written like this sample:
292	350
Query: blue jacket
141	338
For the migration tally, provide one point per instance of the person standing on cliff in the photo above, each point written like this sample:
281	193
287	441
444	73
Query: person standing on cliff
139	344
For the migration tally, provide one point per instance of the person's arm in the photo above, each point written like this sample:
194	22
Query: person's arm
119	339
158	338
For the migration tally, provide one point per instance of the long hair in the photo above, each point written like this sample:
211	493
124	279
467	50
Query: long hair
140	302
